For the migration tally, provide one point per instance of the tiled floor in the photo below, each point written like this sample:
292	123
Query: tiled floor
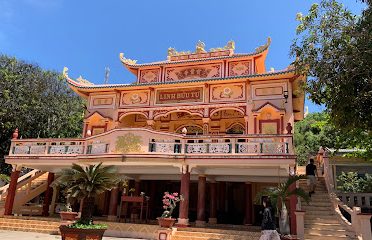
16	235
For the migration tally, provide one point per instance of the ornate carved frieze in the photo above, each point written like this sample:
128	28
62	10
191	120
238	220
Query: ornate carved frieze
227	92
135	98
149	76
193	72
240	68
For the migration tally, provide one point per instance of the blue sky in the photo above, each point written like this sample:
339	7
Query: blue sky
86	36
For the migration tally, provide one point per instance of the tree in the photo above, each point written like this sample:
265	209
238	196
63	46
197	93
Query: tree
84	184
317	130
280	194
334	48
37	102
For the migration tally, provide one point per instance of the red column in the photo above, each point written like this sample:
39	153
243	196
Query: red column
248	203
200	220
113	204
213	201
292	209
48	195
11	193
184	205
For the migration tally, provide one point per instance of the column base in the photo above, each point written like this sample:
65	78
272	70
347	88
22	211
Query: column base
164	234
182	222
199	223
212	220
111	218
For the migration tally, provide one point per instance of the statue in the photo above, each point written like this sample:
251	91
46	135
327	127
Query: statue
200	47
230	45
172	52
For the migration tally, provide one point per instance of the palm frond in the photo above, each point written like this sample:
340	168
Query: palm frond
300	193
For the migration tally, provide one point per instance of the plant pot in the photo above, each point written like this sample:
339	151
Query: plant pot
80	234
68	216
166	222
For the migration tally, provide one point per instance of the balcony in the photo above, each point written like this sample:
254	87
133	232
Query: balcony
142	141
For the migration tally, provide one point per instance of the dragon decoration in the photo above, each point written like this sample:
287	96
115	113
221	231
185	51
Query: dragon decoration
200	48
263	47
127	60
80	79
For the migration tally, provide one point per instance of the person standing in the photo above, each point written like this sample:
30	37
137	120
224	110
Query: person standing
268	222
311	172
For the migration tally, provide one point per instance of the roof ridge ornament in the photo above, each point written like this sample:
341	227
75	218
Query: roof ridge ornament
200	47
229	46
126	60
265	46
80	79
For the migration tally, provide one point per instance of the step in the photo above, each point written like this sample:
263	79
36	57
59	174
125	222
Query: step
215	236
328	233
23	229
222	230
333	227
312	208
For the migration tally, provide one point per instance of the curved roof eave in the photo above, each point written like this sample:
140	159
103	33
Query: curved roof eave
132	66
85	88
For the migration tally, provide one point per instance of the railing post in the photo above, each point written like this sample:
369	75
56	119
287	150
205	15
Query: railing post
354	219
365	226
300	224
261	147
233	146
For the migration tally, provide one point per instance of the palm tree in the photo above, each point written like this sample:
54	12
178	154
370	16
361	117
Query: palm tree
84	183
278	196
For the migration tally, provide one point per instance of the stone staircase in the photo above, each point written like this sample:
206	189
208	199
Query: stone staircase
321	221
214	234
29	186
49	226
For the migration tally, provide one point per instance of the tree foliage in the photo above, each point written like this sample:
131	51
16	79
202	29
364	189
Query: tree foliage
37	102
352	182
317	130
334	48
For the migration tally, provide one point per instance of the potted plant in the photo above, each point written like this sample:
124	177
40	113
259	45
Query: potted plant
84	184
279	195
170	201
67	214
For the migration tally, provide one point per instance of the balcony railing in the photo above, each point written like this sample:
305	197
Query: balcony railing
151	142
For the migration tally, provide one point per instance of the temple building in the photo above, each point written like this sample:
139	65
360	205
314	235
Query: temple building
212	125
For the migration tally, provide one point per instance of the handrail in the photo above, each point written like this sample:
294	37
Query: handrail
5	188
359	224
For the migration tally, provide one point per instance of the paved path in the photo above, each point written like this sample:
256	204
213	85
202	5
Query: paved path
17	235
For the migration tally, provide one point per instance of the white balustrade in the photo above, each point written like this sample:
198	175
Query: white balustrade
164	147
249	147
57	149
356	199
274	148
98	148
260	144
21	149
219	148
196	148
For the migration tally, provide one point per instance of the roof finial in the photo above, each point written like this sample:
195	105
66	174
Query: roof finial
264	47
126	60
200	47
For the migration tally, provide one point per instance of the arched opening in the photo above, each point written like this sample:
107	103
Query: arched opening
133	120
230	121
177	120
235	128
